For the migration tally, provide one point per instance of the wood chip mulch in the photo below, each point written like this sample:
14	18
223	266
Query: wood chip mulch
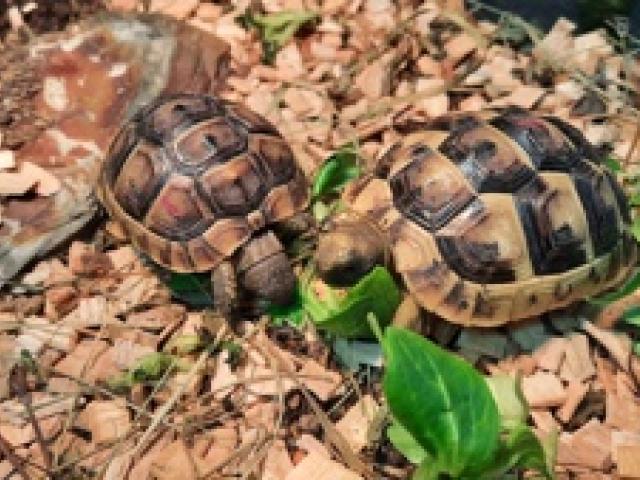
273	402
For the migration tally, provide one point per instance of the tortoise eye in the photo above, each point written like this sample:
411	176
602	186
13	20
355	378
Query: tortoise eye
179	108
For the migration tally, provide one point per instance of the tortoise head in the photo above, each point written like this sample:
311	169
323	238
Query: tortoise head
348	250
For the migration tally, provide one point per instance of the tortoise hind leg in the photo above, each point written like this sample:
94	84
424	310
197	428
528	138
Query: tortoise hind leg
265	272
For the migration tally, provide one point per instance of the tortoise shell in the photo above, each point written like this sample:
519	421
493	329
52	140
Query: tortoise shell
497	217
191	177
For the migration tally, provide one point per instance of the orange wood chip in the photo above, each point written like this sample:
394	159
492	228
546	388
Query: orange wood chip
628	457
319	380
354	425
106	420
317	467
575	394
543	390
277	464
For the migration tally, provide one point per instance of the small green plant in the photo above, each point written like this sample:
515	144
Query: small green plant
446	419
335	173
149	368
344	313
276	28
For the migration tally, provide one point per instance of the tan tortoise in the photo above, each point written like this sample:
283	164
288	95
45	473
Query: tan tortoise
198	184
489	218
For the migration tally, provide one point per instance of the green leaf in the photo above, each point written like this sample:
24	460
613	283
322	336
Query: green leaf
628	288
613	164
338	170
148	368
442	401
191	288
375	293
292	313
510	400
276	28
631	317
406	444
522	449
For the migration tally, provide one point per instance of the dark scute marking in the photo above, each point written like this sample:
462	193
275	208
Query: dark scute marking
274	158
456	297
138	183
551	251
533	299
582	145
250	121
621	198
234	188
433	275
424	204
534	137
482	308
475	261
456	124
210	143
481	163
601	218
158	121
119	150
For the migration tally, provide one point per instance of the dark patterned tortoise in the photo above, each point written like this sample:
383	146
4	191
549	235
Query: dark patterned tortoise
489	218
198	183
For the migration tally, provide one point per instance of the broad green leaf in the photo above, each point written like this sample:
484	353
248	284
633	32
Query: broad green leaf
338	170
442	401
293	313
631	286
375	293
276	28
521	449
508	396
191	288
428	470
406	444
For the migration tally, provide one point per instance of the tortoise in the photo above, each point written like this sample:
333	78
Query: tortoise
200	184
489	217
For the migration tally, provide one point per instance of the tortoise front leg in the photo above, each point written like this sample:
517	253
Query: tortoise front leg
224	285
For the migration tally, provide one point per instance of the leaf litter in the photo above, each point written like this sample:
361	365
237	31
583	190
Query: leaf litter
272	401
